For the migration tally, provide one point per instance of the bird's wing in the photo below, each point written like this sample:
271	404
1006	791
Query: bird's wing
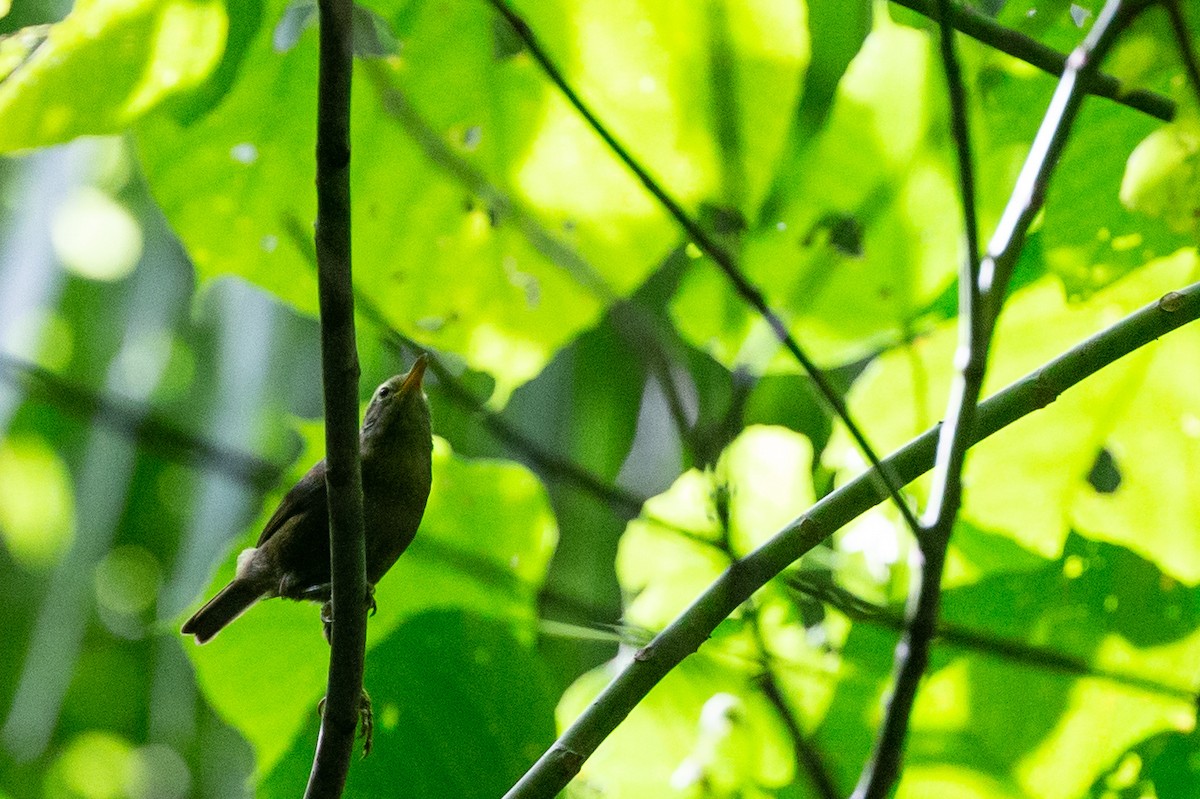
306	495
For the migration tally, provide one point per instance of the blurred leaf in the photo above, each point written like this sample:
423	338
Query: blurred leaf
462	707
1162	765
144	51
1161	179
37	504
483	546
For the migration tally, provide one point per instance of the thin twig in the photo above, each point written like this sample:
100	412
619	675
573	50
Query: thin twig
975	641
1183	39
808	756
150	431
339	362
719	255
974	334
693	627
983	28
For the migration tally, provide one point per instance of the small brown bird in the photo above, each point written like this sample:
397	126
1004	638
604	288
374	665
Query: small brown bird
291	558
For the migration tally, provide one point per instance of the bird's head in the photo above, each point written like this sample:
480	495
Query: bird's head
398	411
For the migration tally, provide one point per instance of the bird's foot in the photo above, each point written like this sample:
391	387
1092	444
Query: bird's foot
327	621
366	720
327	611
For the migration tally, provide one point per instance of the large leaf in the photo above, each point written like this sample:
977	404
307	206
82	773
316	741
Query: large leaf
867	236
462	707
472	172
106	65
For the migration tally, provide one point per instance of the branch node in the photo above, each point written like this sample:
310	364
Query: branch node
568	760
1170	302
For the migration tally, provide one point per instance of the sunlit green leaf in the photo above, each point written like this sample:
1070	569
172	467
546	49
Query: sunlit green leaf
866	238
1035	472
680	544
106	65
463	161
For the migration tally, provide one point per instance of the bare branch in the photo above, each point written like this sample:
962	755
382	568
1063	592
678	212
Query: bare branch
984	29
981	292
974	334
339	361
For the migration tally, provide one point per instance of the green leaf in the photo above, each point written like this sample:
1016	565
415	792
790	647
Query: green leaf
866	237
1089	237
1029	481
1162	176
1038	700
483	546
680	543
459	164
108	64
462	707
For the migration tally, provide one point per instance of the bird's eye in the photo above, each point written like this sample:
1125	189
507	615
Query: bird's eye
384	391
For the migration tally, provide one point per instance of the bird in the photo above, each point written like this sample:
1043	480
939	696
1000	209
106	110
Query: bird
291	557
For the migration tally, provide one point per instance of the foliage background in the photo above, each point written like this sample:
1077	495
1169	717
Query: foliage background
615	423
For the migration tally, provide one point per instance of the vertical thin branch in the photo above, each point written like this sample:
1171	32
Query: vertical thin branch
719	255
808	756
974	333
977	286
339	360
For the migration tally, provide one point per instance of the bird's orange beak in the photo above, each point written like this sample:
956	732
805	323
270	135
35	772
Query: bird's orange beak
412	381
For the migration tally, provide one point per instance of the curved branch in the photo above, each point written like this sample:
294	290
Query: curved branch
692	628
340	370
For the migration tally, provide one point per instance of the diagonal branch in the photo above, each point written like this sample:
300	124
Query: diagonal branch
149	431
339	362
719	255
984	29
1183	40
962	637
693	627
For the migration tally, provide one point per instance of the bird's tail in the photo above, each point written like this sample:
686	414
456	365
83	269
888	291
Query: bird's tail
226	606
